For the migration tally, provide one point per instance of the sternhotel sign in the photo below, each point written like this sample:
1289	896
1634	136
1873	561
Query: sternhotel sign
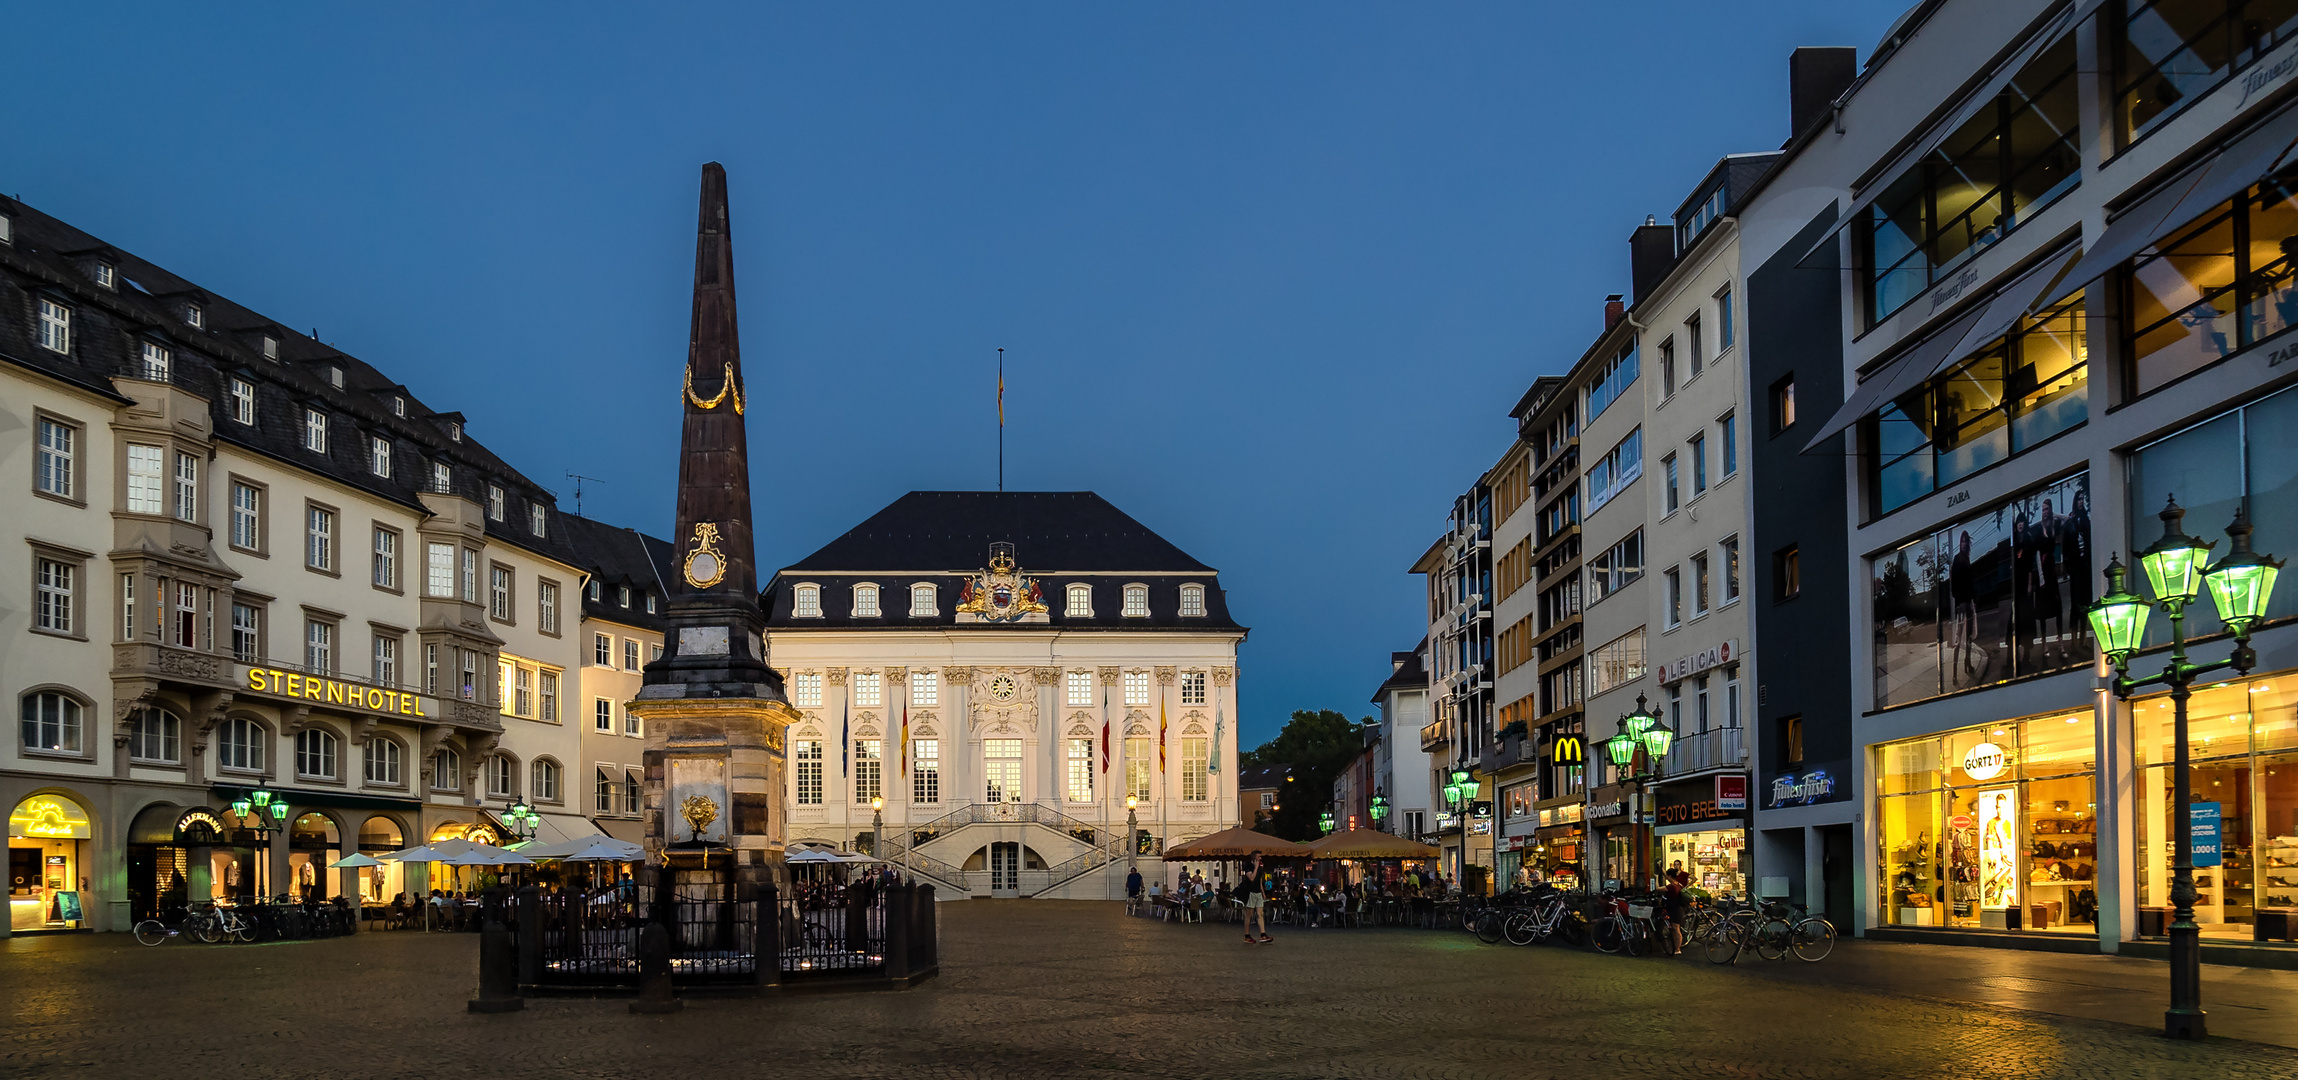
324	691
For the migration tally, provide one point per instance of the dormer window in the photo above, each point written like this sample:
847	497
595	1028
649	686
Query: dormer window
335	377
7	229
806	602
1192	601
924	604
270	347
495	504
379	455
593	590
537	521
1137	601
441	477
55	326
398	406
455	430
194	317
1080	601
650	603
622	595
315	431
104	275
157	362
865	601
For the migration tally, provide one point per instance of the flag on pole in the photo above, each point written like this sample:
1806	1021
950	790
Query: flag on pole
1213	759
905	750
1104	731
1160	733
845	742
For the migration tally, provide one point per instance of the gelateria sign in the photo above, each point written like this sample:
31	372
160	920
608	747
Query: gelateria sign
324	691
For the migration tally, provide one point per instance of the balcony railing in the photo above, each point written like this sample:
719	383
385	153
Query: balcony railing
1433	735
1716	749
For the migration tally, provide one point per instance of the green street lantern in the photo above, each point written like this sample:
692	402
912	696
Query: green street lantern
1641	720
1621	748
1325	821
260	797
2174	564
279	810
1657	738
2118	619
1379	809
1451	793
2243	581
1460	777
1468	789
240	807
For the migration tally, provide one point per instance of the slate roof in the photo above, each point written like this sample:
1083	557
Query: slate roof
1052	531
618	556
942	538
1409	673
147	303
1261	777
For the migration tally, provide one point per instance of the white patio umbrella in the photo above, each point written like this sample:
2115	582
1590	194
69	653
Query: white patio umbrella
458	853
811	855
354	861
598	849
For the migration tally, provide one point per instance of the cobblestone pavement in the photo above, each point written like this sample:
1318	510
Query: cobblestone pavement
1044	988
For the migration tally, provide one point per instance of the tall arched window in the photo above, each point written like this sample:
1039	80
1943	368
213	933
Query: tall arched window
1080	601
923	602
315	753
865	601
808	602
382	761
155	735
51	722
242	745
447	770
501	777
1192	600
546	787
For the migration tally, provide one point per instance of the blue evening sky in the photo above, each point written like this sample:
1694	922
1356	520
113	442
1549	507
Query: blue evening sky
1269	276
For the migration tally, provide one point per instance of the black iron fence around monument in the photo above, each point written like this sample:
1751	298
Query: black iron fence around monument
850	938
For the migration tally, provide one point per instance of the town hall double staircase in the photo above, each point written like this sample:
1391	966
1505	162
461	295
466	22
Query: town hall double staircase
949	833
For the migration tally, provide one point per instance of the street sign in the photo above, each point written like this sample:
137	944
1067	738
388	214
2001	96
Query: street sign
2205	817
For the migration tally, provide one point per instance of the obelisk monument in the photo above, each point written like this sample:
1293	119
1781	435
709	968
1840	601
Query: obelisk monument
714	713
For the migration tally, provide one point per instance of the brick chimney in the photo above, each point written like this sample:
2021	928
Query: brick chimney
1614	311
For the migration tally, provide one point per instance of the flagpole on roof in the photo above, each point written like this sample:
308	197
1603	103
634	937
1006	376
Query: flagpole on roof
1001	418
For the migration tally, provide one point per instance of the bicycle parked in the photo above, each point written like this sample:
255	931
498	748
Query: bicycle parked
1773	931
1630	924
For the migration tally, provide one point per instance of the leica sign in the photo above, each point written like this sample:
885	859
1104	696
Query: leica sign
1684	667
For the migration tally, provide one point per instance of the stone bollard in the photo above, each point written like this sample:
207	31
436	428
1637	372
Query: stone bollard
654	990
498	964
530	937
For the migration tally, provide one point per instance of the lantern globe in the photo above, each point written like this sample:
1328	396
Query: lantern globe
2174	564
2118	619
2243	582
1451	793
1621	748
1468	789
241	806
1657	739
260	797
279	810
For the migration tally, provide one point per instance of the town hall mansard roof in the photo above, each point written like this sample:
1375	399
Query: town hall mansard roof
943	538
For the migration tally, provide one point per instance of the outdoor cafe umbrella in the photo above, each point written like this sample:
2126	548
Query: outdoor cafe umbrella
1237	843
458	853
598	849
1368	844
354	862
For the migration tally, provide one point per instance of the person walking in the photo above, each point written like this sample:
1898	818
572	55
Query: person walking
1133	891
1256	898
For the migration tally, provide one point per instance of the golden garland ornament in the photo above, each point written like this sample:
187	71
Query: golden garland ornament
725	389
699	811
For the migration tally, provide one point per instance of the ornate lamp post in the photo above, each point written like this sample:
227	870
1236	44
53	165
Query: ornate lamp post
1325	822
2240	586
521	820
1132	835
1640	732
1461	795
877	824
265	814
1379	810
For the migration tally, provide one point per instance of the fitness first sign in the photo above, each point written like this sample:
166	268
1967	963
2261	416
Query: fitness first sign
1684	667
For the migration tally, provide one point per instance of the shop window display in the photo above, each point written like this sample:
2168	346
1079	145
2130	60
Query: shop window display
2242	748
1713	858
1994	596
1993	827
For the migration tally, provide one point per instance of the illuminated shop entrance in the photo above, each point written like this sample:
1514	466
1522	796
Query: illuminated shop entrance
47	838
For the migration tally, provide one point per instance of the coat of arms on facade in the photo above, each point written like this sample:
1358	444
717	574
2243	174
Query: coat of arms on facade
1001	594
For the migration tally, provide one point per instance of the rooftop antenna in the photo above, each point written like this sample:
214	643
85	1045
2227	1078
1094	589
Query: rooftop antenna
578	478
1001	418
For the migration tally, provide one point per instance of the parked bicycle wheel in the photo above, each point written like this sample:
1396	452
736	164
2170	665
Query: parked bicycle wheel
1571	929
208	931
1611	934
1814	939
151	932
1724	940
1520	928
1488	927
1772	938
